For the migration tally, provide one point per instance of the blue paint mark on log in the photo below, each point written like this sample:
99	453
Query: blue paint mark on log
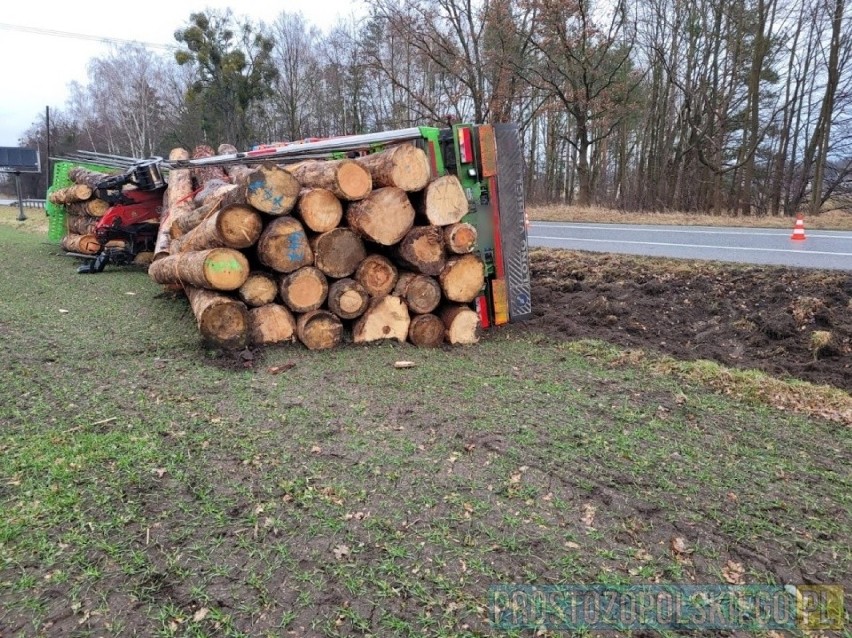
296	246
254	186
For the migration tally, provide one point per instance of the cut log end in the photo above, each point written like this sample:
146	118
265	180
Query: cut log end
377	274
271	323
347	299
444	201
338	252
422	250
259	289
426	331
384	217
320	210
460	238
319	330
222	321
283	246
461	325
354	181
421	292
404	166
385	318
272	190
463	278
304	290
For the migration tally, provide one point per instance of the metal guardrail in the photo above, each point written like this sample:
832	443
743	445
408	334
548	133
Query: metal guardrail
30	203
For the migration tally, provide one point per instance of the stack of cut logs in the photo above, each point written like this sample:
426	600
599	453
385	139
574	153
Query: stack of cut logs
84	210
373	247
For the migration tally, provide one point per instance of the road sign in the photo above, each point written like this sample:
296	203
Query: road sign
19	160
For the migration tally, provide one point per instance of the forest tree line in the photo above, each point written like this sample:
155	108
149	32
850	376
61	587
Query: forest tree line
709	105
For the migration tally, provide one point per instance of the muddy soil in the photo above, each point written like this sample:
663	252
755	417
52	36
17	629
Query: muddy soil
784	321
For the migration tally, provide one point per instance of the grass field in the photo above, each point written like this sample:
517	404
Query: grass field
152	487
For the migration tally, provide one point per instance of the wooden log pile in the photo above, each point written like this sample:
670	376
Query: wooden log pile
322	252
84	210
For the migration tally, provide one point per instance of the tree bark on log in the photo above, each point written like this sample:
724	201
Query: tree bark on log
426	331
385	318
178	191
304	290
259	289
422	250
82	225
377	275
338	252
83	244
319	330
211	203
215	269
319	209
271	189
221	320
460	238
87	177
271	323
444	201
283	245
348	180
461	325
404	166
91	207
347	299
70	194
421	293
237	226
462	278
202	175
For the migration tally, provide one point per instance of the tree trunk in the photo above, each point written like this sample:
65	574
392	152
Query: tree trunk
444	201
463	278
180	186
70	194
426	331
384	217
404	166
216	269
82	225
338	252
460	238
319	209
377	274
233	227
345	178
461	324
271	323
422	249
83	244
92	207
213	202
259	289
283	245
385	318
319	330
347	299
271	189
82	175
304	290
422	294
201	176
221	320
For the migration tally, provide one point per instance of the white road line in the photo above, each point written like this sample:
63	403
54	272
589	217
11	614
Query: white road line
653	243
651	229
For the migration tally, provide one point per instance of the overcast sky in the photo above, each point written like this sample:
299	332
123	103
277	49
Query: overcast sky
36	68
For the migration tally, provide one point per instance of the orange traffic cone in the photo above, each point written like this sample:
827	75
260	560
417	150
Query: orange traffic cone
799	229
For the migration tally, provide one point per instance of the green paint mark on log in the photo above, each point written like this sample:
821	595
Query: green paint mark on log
224	265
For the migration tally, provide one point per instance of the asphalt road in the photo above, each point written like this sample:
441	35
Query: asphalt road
821	249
